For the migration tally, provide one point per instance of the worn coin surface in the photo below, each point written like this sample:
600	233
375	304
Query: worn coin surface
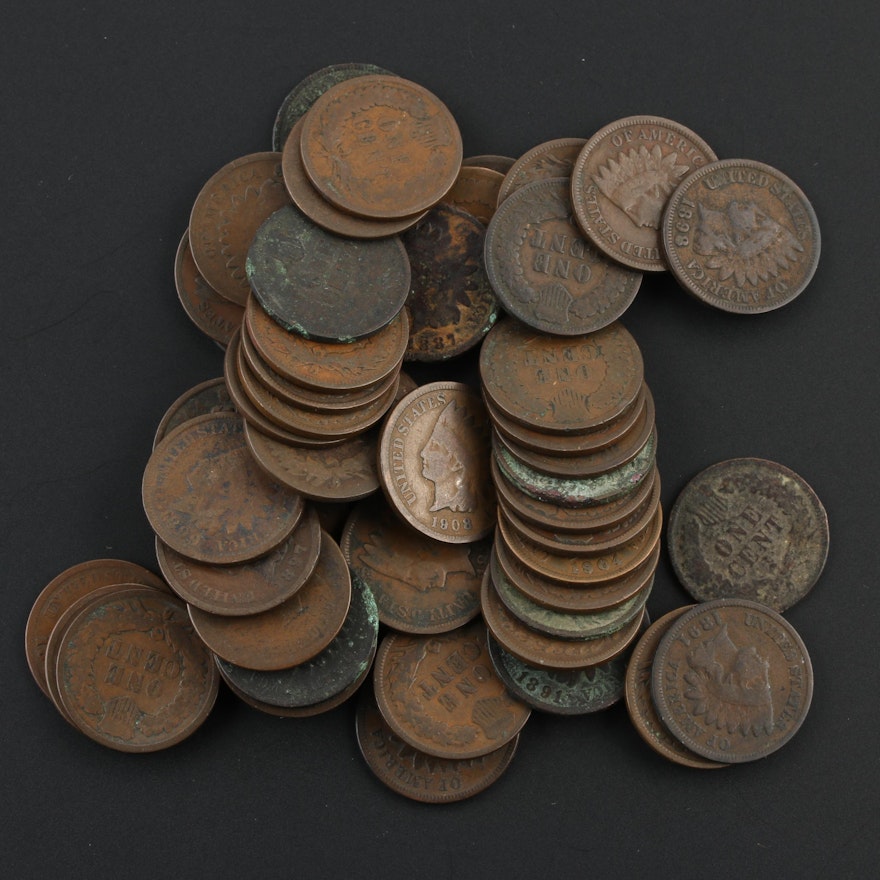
381	146
132	674
434	462
501	164
207	397
441	695
732	680
554	158
622	180
476	191
741	236
545	272
748	528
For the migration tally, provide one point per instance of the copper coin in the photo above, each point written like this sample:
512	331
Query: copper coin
249	587
290	633
451	305
304	195
434	462
543	270
554	158
741	236
63	590
417	775
227	212
307	91
732	680
476	191
441	695
206	498
558	384
132	674
381	146
501	164
421	585
748	529
542	650
324	286
206	397
622	180
640	704
327	366
212	313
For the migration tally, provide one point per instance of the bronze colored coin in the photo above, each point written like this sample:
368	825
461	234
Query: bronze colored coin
212	313
324	286
441	695
132	674
417	775
227	212
434	462
343	472
290	633
732	680
250	587
564	596
476	191
381	146
325	366
543	270
206	498
558	384
554	158
206	397
319	210
421	585
305	93
451	305
501	164
622	180
66	588
542	650
640	705
741	236
748	529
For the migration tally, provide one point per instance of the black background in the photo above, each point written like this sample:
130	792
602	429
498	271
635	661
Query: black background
115	114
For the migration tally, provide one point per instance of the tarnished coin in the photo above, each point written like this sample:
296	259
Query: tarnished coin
206	397
417	775
622	180
748	529
434	462
212	313
558	384
441	695
132	674
501	164
741	236
640	704
421	585
206	498
290	633
301	97
381	146
451	305
476	191
227	212
554	158
64	590
249	587
732	680
324	286
545	272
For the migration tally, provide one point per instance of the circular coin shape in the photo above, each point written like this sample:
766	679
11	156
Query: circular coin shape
381	146
554	158
732	680
741	236
434	462
622	180
321	285
543	270
476	191
132	674
748	528
206	397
